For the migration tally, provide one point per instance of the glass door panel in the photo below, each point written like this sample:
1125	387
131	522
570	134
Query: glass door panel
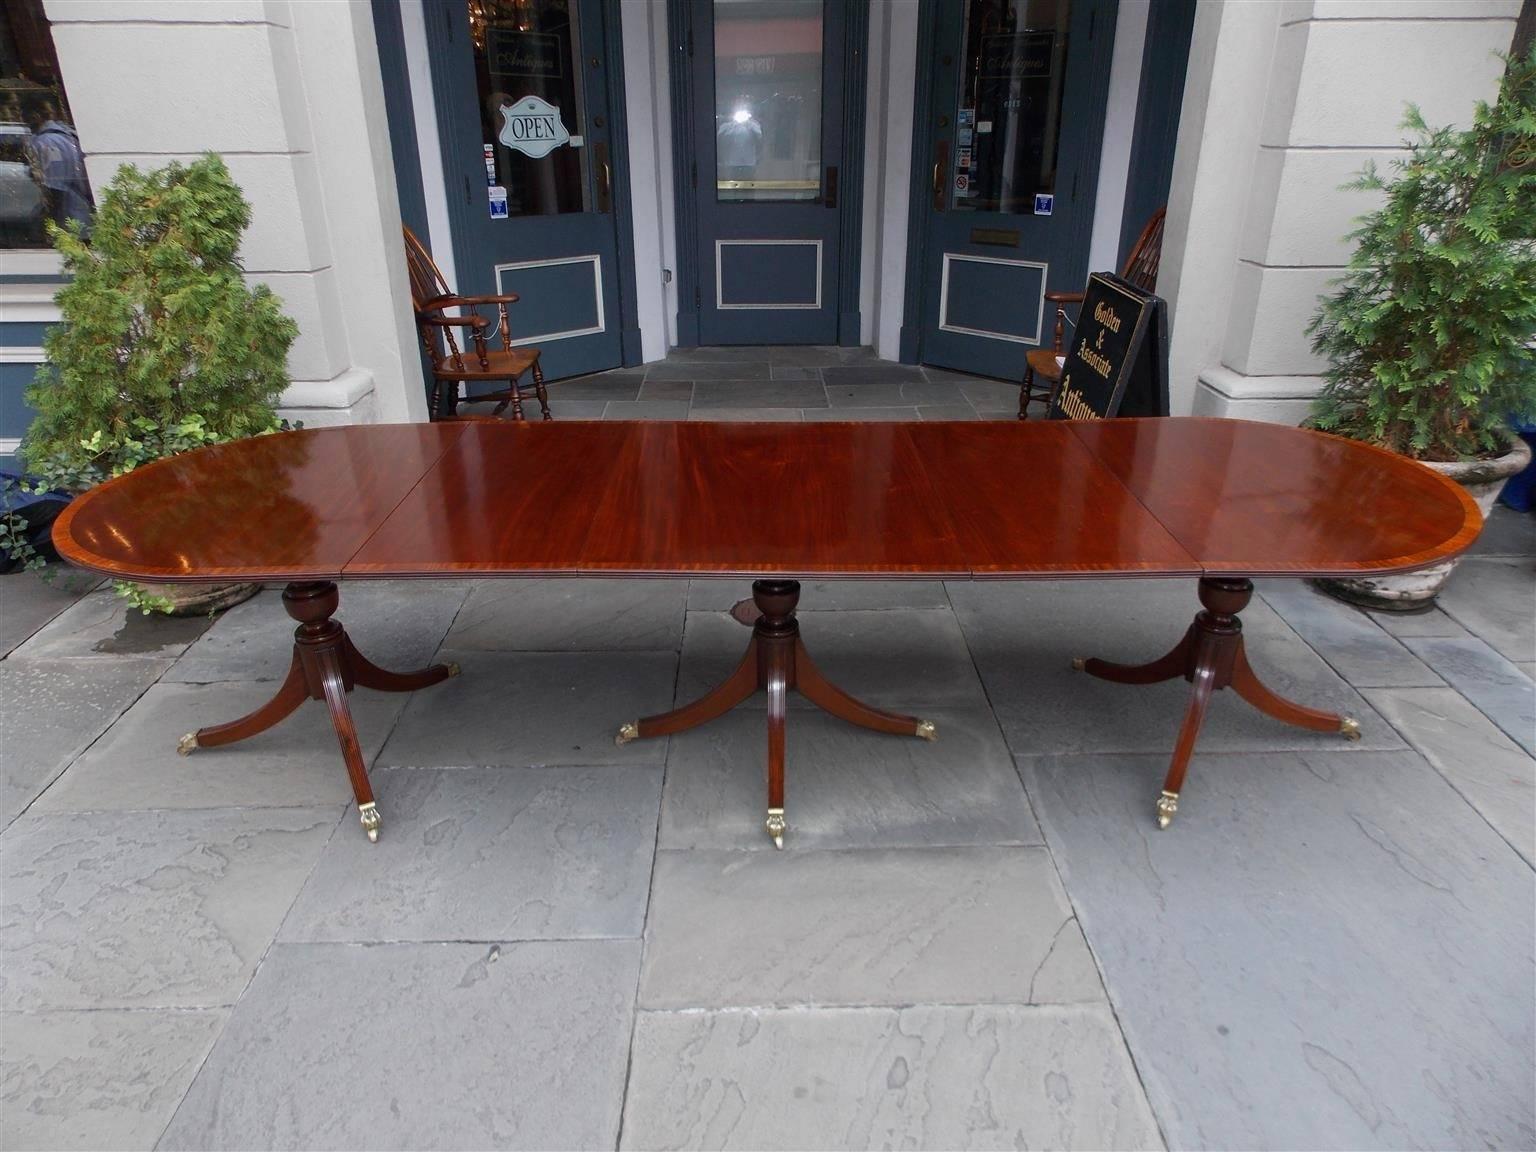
768	109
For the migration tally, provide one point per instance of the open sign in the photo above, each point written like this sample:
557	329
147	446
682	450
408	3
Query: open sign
532	126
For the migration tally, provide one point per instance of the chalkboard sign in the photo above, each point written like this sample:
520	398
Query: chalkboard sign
1118	362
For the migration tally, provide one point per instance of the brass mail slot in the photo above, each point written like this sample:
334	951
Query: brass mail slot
1002	237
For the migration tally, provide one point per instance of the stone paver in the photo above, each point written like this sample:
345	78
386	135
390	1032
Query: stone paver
50	712
295	764
998	1076
1346	637
571	615
1491	597
1504	693
847	787
490	854
1494	775
534	708
1334	929
1331	947
28	600
147	909
98	1079
935	925
421	1046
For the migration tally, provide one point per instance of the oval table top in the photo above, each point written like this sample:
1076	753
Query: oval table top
1006	499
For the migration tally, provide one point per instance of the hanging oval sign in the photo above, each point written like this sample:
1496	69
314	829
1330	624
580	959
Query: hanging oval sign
532	126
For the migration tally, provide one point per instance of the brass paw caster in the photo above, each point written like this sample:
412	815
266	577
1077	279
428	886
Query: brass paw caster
1167	808
926	731
453	669
627	732
187	744
775	825
1349	728
372	821
1079	663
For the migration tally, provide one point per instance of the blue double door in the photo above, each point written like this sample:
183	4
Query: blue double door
1014	126
530	152
764	138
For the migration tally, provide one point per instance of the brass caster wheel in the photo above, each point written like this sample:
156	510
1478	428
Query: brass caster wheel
627	732
372	821
775	825
453	669
1167	808
1079	663
926	731
187	744
1349	728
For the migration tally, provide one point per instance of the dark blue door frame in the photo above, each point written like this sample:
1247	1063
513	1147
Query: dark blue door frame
446	29
692	281
928	230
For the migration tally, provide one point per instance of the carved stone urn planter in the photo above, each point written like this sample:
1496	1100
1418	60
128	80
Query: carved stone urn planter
1416	591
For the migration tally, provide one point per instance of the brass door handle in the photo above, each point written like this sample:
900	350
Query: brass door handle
940	168
604	176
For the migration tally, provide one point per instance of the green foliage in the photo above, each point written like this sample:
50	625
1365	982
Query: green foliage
1427	338
162	346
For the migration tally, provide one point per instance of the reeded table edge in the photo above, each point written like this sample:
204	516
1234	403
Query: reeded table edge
1454	546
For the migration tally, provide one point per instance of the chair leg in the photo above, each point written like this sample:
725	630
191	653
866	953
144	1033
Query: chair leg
538	387
1025	389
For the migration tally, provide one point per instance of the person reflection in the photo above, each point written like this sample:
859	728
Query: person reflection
739	143
58	166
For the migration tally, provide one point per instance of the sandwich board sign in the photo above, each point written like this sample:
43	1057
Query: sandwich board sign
1118	362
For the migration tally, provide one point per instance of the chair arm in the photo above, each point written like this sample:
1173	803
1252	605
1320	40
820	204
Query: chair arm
453	301
456	321
1065	297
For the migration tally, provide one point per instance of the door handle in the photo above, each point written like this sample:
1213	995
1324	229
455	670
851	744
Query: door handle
940	170
831	187
604	176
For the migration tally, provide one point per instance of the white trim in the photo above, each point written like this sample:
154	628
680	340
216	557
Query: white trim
720	291
434	184
28	304
1119	131
26	355
596	261
9	444
945	326
31	262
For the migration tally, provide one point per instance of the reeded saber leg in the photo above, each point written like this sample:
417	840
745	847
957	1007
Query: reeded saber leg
289	696
827	696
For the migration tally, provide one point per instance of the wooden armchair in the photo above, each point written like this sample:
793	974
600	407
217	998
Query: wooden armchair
439	310
1042	375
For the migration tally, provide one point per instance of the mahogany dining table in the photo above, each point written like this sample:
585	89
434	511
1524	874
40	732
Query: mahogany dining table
1217	501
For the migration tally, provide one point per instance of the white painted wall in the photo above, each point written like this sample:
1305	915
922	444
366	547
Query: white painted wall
1119	128
646	163
890	115
291	96
1284	102
429	145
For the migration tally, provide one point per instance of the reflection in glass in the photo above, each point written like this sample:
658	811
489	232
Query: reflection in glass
42	170
1008	109
531	49
768	99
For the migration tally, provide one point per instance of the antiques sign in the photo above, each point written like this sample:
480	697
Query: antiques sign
510	53
1118	362
1021	55
532	126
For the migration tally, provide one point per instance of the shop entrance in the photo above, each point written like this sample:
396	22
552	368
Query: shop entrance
529	151
1015	121
764	95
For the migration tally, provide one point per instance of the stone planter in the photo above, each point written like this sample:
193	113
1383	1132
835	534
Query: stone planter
201	599
1415	591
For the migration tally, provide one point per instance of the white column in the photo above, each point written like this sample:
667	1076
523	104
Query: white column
291	96
1283	104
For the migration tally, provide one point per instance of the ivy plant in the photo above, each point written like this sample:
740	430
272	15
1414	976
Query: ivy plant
162	346
1428	336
